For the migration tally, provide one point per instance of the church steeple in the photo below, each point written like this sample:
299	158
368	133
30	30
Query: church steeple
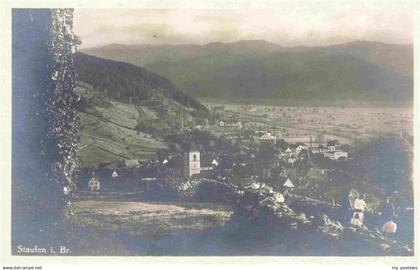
192	161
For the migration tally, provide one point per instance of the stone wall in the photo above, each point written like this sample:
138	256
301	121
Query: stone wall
265	210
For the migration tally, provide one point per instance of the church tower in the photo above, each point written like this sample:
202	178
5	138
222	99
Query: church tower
192	161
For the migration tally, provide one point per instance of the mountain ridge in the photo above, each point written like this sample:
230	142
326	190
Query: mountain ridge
219	70
151	45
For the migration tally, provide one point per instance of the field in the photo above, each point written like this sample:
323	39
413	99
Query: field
110	140
109	133
297	124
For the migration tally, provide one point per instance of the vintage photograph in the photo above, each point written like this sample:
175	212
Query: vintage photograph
283	131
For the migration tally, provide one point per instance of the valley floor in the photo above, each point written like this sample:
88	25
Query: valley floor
298	123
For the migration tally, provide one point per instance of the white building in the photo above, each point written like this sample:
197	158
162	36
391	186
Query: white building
94	184
192	161
132	163
336	155
300	148
268	137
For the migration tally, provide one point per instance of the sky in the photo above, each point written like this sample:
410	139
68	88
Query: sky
289	25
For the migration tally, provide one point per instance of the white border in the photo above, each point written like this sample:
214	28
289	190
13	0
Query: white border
174	262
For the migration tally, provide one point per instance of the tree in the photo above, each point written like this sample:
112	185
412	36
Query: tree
387	164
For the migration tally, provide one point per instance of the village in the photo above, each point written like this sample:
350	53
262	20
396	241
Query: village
244	144
245	147
230	152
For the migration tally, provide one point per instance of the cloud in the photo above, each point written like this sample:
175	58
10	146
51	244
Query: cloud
296	25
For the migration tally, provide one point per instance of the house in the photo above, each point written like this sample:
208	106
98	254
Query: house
331	145
336	155
299	148
132	163
175	167
148	179
94	184
314	150
206	163
267	137
288	184
238	125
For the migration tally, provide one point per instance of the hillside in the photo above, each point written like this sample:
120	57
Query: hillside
126	112
397	57
128	83
365	71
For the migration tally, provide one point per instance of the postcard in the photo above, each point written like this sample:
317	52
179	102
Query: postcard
280	130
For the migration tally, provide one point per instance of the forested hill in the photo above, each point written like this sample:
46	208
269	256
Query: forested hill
128	83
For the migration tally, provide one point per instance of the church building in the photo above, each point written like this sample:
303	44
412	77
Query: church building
192	161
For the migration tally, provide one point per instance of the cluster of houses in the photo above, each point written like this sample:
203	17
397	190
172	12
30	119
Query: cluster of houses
193	163
189	165
330	150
